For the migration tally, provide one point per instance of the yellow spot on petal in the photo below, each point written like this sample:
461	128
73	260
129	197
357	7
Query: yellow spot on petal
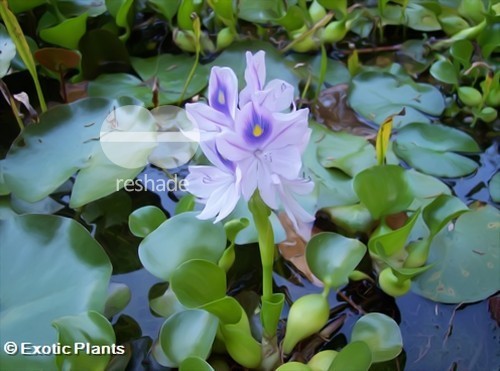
257	131
221	97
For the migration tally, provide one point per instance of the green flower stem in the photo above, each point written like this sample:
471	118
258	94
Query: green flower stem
260	213
272	304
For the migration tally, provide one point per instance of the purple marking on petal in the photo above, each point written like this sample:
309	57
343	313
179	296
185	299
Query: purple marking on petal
219	97
257	127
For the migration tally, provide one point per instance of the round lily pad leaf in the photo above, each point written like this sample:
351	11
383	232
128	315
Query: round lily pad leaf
444	71
465	259
382	335
145	220
377	96
429	148
333	257
59	270
64	142
188	334
179	239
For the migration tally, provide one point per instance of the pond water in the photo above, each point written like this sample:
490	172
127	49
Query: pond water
435	336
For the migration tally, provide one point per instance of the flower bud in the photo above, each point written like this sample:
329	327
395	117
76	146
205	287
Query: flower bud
185	40
307	316
391	285
488	114
334	32
469	96
225	37
305	45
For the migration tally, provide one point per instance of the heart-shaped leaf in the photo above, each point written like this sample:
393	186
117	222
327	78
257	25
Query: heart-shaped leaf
332	257
188	334
145	220
179	239
382	335
76	282
383	189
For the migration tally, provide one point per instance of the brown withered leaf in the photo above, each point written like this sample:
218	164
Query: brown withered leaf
333	110
293	249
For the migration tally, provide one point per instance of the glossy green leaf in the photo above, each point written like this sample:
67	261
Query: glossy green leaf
67	33
118	298
461	51
121	10
322	360
65	138
429	148
332	257
351	218
294	366
71	8
382	335
441	211
444	71
76	282
90	328
494	187
7	51
145	220
198	282
421	18
383	189
179	239
488	39
343	151
166	304
18	6
195	363
377	96
464	270
394	241
188	334
171	72
186	203
354	356
261	11
168	8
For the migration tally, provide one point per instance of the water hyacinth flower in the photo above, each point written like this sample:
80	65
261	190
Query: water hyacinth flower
254	141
